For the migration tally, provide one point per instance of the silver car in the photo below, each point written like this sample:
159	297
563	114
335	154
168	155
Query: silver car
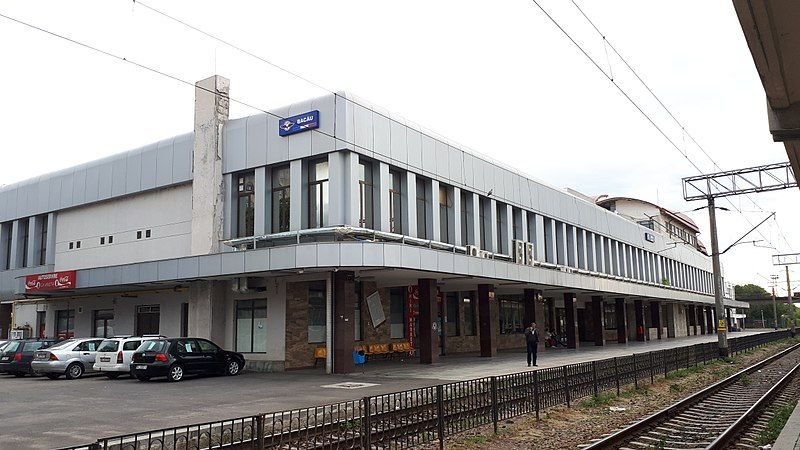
72	358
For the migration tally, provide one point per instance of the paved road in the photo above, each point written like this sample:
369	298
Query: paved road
42	413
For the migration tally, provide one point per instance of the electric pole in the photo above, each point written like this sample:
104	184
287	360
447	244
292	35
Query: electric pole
774	302
789	299
722	325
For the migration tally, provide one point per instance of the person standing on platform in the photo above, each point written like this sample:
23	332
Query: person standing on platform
532	342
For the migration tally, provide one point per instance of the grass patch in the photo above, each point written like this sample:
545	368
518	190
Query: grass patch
595	401
680	373
769	434
630	393
745	379
478	439
675	387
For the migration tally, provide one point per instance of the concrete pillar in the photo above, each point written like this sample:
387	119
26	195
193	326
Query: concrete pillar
538	236
434	218
597	320
344	301
263	194
622	320
671	320
428	317
555	326
710	320
487	320
296	194
523	226
529	303
207	309
352	188
382	197
508	233
208	201
582	250
476	220
491	215
17	244
602	258
655	316
457	238
571	319
638	309
701	319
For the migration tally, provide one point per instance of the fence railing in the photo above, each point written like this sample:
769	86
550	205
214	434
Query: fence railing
409	418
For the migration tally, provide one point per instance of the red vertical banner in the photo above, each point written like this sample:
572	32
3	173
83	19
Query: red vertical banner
412	308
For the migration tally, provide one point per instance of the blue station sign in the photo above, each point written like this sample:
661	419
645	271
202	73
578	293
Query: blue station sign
649	237
299	123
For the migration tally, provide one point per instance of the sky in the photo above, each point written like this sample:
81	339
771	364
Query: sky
455	67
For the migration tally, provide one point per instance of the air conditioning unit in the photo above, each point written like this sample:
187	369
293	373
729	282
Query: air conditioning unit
529	253
519	251
472	250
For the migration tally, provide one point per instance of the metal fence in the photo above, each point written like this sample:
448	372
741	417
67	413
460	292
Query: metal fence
428	415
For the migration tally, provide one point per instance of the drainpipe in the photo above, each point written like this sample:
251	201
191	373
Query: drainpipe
329	324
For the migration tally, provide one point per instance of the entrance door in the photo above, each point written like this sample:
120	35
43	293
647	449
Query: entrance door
40	323
147	319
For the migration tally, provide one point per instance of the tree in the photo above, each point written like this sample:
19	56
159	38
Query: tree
750	292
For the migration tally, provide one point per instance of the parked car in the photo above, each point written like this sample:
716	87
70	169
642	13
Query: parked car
174	358
73	358
114	355
16	356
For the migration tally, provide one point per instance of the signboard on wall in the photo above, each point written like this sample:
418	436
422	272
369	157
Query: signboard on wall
299	123
412	306
54	281
375	309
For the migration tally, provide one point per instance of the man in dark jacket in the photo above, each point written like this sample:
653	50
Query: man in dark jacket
532	341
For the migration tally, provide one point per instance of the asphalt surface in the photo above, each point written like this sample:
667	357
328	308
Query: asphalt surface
36	412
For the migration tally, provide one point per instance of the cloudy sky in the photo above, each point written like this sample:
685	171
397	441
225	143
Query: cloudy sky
456	67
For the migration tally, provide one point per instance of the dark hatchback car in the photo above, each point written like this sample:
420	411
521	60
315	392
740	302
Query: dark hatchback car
177	357
16	356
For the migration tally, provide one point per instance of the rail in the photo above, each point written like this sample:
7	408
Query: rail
414	417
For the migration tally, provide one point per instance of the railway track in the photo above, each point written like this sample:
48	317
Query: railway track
727	414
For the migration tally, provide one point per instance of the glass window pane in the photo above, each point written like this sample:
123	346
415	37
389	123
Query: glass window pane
244	332
316	313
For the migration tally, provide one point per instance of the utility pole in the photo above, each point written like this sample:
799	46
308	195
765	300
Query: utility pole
722	324
789	299
774	302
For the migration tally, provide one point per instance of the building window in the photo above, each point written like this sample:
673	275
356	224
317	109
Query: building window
78	244
395	203
103	323
43	242
318	194
610	316
251	326
647	223
397	313
111	239
317	315
502	220
451	327
445	211
469	314
486	229
511	314
246	202
138	234
148	319
358	335
41	323
8	226
102	240
25	229
365	195
466	218
65	324
422	208
280	199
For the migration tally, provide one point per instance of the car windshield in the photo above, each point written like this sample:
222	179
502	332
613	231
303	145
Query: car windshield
152	346
108	346
63	344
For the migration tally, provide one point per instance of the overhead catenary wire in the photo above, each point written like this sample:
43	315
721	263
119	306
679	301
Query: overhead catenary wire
684	131
634	103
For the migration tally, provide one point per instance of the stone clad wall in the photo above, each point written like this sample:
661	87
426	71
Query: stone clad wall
299	353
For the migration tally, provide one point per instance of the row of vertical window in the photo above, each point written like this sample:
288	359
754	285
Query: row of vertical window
317	181
22	244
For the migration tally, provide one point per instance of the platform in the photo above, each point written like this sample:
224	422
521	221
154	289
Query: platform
789	439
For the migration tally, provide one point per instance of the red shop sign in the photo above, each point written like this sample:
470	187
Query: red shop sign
54	281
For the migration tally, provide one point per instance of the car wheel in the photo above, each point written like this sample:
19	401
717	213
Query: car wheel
52	376
74	371
142	377
112	375
232	368
175	373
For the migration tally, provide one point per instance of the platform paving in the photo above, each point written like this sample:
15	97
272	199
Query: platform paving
467	367
789	439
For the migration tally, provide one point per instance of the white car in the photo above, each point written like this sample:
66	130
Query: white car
114	354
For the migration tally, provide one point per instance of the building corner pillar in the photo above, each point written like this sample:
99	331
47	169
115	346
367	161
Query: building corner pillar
622	320
344	302
571	318
486	320
638	309
597	320
428	316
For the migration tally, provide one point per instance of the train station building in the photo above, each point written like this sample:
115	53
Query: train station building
331	225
